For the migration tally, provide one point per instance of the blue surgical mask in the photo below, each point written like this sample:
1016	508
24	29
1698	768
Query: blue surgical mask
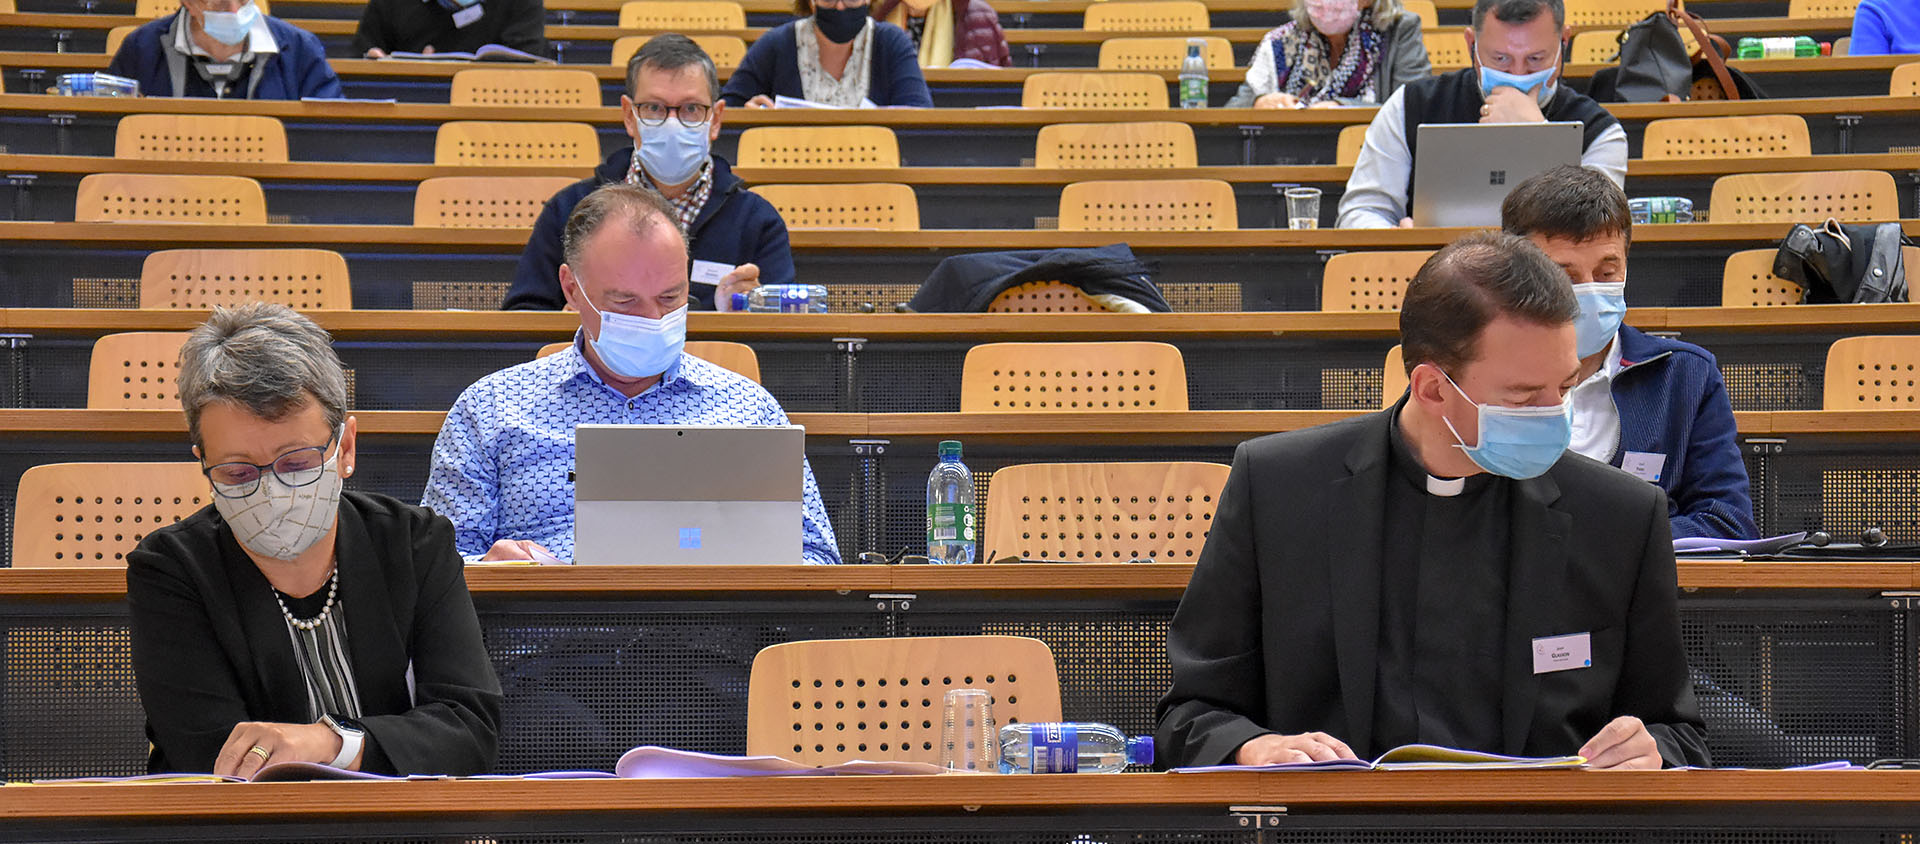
1516	442
672	152
1535	82
1602	305
635	346
230	28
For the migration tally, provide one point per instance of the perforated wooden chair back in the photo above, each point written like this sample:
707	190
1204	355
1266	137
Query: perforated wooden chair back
199	279
1393	377
1425	10
1446	47
1083	89
159	8
1754	136
92	514
1102	512
169	198
135	371
1822	8
725	50
513	86
487	143
200	137
1603	46
1149	205
1850	195
820	147
676	15
1616	13
1352	140
1162	52
738	357
878	206
1906	80
828	701
1110	377
1369	281
1748	281
484	202
1147	16
1873	373
1104	146
115	36
1043	297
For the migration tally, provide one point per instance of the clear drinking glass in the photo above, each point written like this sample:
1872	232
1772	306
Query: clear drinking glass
1303	208
968	740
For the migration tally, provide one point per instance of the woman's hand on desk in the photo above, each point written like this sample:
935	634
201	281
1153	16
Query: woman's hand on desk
1623	745
253	744
1275	749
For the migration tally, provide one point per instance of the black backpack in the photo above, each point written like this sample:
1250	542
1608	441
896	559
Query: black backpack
1654	63
1838	263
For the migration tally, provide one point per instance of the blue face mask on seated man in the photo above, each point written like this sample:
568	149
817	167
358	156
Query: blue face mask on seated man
672	152
230	28
1602	306
636	346
1535	82
1516	442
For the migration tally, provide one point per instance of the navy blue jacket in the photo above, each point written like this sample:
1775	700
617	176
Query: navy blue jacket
772	66
736	226
1672	401
299	70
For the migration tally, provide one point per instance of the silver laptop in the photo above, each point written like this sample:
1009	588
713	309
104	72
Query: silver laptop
1463	170
687	494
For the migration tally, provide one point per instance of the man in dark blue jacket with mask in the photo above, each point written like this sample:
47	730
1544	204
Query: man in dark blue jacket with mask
225	49
1654	407
672	111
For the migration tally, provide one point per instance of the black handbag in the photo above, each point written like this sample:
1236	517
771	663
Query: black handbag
1844	263
1655	66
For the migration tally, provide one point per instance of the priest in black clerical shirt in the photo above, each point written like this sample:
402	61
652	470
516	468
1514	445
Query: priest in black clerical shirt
1444	571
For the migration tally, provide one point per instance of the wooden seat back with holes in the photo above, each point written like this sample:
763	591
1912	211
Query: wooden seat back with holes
1849	195
1149	205
1613	13
725	50
1393	381
513	86
117	36
1446	47
677	15
1426	10
92	514
1603	46
1752	136
1102	512
1748	281
499	143
1043	297
200	137
484	202
151	9
135	370
883	207
816	147
1347	149
199	279
1873	373
1803	9
169	198
1905	81
822	702
1147	16
1154	53
1369	281
737	357
1094	89
1108	377
1108	146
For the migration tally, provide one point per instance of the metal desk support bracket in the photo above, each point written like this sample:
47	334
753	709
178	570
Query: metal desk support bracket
1034	51
1847	122
850	349
1257	817
869	494
22	194
62	142
1914	176
34	77
1249	139
1327	254
13	363
61	38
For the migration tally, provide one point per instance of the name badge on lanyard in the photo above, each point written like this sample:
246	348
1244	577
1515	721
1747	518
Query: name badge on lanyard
1562	653
465	17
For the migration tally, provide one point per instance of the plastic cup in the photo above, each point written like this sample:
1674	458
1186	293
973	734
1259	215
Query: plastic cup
1303	208
968	740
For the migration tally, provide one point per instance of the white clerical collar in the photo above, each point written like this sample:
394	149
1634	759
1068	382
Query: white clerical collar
1445	487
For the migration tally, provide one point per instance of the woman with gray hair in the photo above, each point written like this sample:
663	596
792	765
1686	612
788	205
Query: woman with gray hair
292	621
1335	52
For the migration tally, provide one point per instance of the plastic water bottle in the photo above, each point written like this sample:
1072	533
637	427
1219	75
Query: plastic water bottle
1660	209
1193	76
1781	47
1070	748
950	525
783	299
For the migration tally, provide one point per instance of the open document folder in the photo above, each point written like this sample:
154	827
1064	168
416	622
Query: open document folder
1413	757
649	762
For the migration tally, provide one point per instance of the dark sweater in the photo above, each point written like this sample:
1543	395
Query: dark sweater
1672	401
412	25
736	226
772	66
1455	98
299	70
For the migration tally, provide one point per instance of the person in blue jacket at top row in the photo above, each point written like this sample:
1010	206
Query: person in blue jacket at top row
834	54
1886	28
225	49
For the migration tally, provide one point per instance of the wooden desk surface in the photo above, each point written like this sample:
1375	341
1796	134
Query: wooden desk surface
1332	791
1005	8
548	326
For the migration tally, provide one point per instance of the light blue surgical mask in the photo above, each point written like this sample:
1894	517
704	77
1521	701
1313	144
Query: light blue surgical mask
1602	306
1535	82
672	152
1516	442
230	28
636	346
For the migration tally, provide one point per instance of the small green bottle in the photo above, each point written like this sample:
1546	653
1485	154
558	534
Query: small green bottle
1782	47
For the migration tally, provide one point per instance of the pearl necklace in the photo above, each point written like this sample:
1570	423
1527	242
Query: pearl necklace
333	589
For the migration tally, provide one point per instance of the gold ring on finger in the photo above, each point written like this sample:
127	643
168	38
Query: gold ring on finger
261	752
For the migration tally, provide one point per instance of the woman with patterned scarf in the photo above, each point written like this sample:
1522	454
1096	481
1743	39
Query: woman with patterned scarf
1333	53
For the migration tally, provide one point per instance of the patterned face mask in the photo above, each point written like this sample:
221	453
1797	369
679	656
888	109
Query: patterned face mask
281	521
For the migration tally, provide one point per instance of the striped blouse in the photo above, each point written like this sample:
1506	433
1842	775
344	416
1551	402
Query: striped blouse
323	656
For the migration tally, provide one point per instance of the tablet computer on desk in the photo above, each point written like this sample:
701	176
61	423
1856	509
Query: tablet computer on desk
688	494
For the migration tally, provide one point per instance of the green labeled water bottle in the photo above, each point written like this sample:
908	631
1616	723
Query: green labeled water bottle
1193	76
1781	47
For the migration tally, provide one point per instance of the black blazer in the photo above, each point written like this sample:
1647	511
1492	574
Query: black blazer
210	646
1279	629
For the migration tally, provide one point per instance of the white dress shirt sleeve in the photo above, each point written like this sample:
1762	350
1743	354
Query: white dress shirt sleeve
1376	196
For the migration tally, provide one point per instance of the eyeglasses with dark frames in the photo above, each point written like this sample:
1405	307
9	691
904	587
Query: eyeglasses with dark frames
296	468
689	114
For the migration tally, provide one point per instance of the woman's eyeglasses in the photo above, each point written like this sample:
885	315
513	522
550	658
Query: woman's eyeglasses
296	468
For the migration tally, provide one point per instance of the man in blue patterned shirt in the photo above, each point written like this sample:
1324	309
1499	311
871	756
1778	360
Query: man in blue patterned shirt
500	464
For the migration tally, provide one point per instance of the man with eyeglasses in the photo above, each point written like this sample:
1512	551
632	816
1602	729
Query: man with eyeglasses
225	49
672	111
